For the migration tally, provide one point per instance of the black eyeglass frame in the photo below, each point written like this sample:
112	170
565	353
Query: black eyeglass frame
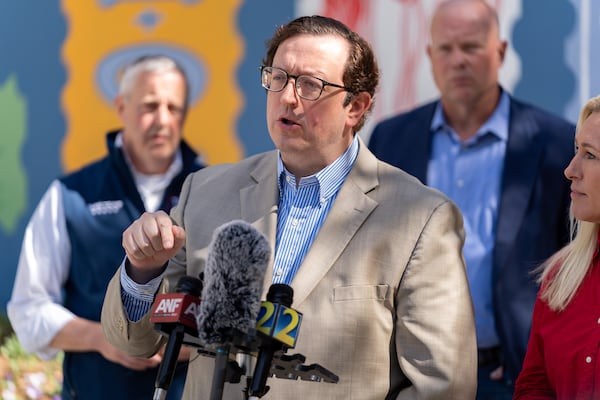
295	77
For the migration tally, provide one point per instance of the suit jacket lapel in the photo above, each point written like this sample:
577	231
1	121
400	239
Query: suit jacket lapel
418	143
523	152
351	208
259	206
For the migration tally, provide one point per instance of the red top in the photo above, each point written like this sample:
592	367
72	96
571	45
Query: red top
563	354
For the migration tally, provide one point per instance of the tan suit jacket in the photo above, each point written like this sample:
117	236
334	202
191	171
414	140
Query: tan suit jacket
383	289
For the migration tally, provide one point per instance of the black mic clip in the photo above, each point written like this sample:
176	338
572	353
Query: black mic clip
291	367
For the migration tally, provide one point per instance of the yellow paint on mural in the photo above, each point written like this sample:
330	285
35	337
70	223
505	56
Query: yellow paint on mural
97	30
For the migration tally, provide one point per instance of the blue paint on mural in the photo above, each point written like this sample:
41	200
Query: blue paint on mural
539	38
256	25
31	35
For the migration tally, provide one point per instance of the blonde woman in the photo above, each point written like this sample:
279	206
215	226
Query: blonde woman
562	360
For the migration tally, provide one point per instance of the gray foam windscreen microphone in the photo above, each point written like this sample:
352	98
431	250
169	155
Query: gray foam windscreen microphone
233	279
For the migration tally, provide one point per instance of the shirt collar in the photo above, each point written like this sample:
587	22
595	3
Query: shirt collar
329	178
497	123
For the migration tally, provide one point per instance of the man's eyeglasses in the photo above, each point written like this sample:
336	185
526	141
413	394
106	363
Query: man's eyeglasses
308	87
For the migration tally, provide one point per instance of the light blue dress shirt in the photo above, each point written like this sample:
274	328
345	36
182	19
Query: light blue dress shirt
470	173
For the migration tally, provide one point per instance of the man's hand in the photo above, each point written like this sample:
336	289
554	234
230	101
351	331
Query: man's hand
81	334
149	242
111	353
497	374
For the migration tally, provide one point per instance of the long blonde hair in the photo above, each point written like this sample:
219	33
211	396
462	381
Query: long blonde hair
562	274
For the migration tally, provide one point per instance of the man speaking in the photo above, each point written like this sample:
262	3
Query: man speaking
373	256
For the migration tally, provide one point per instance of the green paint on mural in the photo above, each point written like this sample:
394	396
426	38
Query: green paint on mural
12	172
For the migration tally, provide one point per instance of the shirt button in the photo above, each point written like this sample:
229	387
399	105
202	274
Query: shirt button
294	222
588	359
598	320
279	272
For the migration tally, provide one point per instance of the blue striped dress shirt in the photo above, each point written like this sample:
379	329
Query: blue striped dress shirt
303	209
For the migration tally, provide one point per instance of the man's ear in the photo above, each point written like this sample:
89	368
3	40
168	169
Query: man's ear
502	46
358	106
119	104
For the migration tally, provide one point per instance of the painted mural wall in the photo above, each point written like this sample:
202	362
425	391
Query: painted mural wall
60	63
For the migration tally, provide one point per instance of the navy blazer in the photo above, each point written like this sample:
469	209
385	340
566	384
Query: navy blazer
533	212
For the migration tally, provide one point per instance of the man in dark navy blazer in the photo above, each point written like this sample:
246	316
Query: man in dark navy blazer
502	162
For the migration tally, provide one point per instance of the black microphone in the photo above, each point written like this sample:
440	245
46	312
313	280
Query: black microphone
278	325
174	315
235	267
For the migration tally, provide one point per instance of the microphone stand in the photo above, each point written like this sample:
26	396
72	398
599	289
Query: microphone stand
191	288
166	369
246	363
220	372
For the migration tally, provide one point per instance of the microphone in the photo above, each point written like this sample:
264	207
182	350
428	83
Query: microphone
174	315
235	267
278	324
